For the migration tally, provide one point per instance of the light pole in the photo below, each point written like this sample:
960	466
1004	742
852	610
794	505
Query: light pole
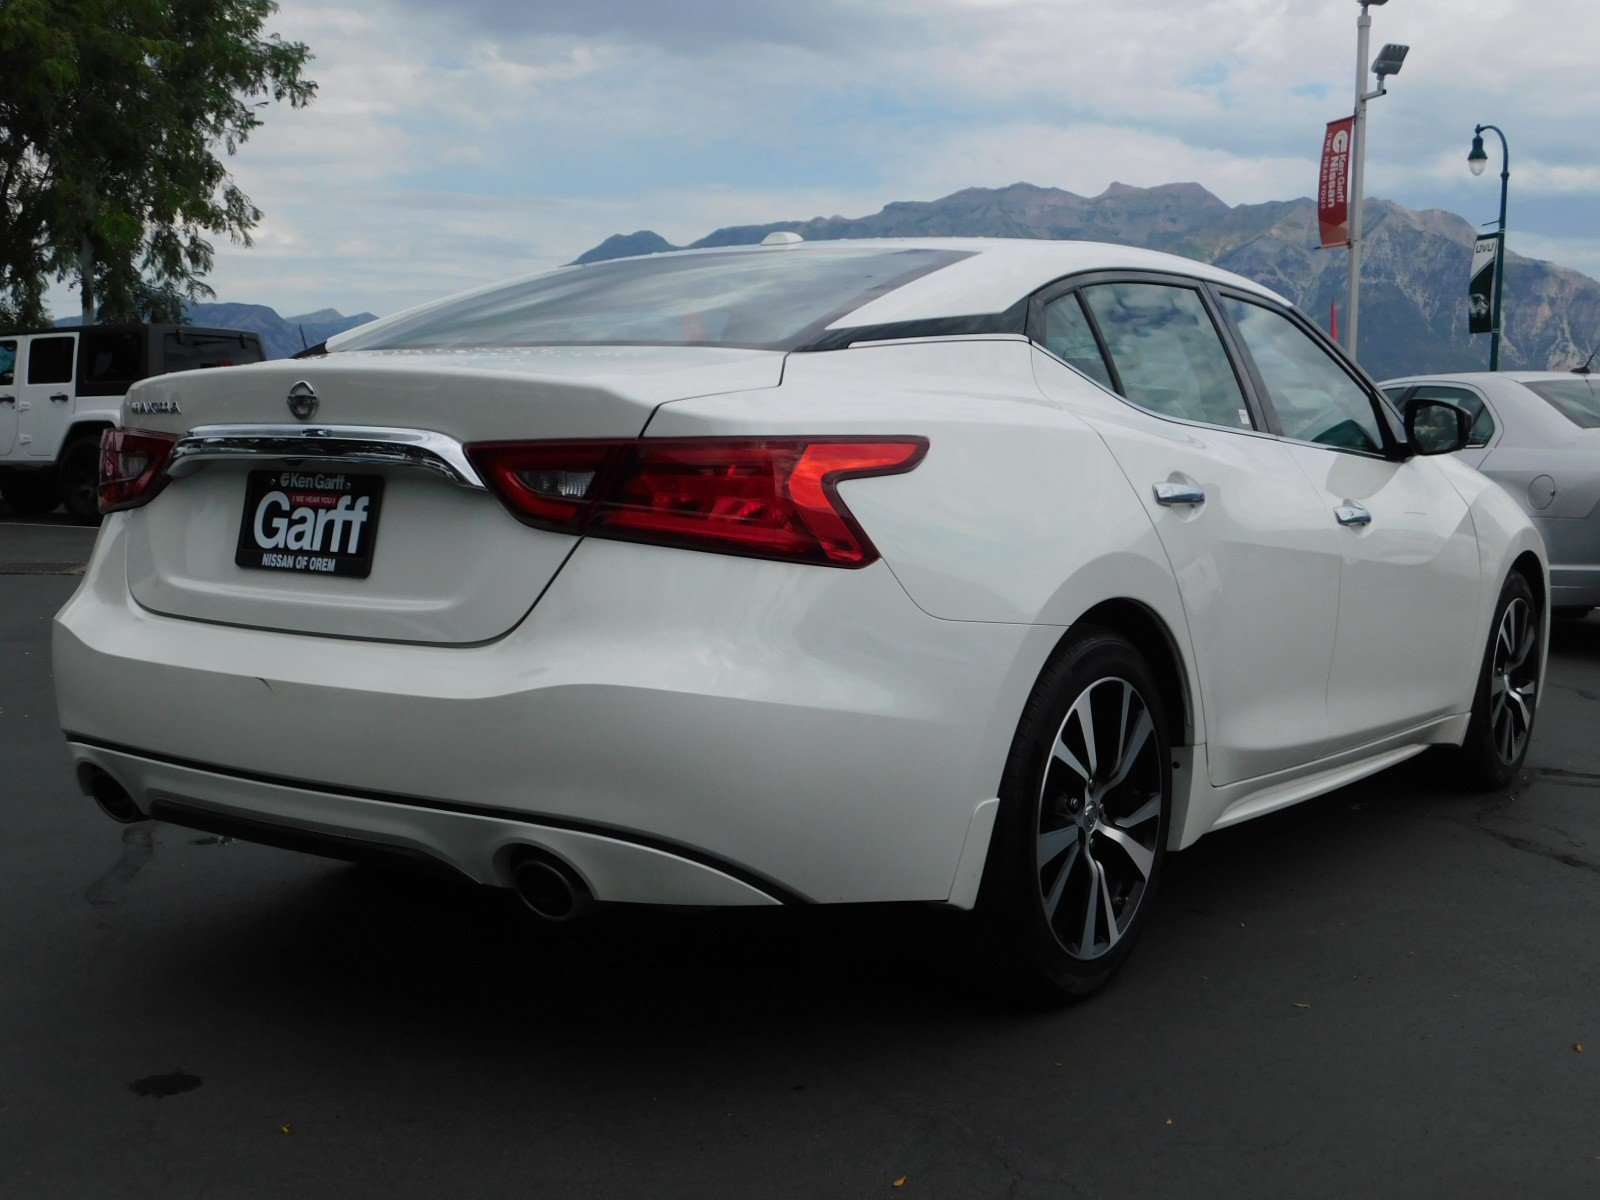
1477	160
1388	63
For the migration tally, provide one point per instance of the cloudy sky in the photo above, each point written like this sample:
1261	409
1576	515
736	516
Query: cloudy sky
454	144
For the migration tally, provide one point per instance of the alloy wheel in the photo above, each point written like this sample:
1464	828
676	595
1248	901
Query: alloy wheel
1100	807
1513	680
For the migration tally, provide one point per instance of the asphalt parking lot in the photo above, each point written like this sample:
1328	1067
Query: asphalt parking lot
1390	991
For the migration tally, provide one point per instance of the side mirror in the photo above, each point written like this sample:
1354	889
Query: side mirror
1437	426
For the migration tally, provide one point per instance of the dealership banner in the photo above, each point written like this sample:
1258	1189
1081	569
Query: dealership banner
1480	288
1333	189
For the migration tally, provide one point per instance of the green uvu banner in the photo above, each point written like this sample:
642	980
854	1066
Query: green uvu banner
1480	288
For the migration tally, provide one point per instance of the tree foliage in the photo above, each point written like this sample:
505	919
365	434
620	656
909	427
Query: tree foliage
114	115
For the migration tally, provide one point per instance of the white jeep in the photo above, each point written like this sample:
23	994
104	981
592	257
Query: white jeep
61	388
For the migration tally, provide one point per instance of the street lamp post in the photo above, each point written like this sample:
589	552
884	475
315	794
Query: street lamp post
1388	63
1477	160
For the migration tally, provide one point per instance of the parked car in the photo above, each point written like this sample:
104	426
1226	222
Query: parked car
61	388
1537	434
973	572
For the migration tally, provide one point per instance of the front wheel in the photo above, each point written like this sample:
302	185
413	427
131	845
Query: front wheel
1081	835
1501	728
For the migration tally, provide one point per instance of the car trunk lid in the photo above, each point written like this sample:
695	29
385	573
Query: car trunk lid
377	528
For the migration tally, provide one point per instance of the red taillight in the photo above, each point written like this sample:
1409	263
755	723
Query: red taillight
765	497
131	462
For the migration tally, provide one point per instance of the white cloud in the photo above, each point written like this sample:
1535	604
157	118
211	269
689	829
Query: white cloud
451	145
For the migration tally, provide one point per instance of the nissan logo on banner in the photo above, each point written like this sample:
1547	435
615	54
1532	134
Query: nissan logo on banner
1333	187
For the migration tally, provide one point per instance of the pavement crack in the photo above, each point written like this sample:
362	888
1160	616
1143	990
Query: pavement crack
1532	847
137	847
1579	779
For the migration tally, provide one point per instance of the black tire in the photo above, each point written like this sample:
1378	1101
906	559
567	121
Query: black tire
30	493
79	476
1506	703
1033	907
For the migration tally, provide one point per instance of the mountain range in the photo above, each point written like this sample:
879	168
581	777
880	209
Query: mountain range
1414	272
280	336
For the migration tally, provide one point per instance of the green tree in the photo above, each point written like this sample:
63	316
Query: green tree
114	115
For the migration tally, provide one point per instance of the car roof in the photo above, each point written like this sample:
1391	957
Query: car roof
1482	377
992	275
998	272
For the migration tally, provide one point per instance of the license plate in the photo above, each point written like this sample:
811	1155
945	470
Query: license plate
310	522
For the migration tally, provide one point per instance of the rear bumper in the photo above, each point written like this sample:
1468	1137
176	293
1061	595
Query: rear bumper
478	843
680	728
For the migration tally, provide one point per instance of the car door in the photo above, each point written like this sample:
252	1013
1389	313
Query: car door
1248	539
8	394
1410	579
44	398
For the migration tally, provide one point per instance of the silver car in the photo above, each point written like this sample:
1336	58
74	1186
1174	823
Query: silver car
1536	433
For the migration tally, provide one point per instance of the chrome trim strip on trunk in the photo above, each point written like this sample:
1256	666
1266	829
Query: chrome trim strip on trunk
331	445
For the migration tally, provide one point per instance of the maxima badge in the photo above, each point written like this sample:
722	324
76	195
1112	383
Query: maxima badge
303	400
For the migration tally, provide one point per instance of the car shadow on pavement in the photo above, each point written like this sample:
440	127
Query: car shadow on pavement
378	947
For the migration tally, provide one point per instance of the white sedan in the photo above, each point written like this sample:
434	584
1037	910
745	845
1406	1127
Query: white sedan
980	573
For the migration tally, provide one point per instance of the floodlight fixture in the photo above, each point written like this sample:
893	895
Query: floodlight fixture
1389	61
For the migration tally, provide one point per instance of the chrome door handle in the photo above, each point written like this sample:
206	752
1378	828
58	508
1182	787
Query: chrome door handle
1179	493
1352	515
61	397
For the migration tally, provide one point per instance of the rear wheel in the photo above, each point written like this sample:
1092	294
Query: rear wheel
1081	835
1501	728
79	474
30	493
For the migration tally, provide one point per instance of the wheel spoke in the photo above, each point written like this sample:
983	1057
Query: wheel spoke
1052	899
1063	755
1130	751
1054	841
1112	932
1149	810
1090	908
1083	710
1137	854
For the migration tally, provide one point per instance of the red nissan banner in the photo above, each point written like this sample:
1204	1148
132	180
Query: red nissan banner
1333	192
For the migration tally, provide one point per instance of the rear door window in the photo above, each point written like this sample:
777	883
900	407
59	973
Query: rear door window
1315	399
50	359
1068	336
1167	352
8	363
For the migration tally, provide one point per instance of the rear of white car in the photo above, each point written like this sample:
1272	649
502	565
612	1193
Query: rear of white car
855	572
398	625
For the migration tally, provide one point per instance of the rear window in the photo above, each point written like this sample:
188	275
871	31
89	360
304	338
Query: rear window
187	350
771	299
1574	399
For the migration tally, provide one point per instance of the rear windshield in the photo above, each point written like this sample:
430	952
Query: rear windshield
768	299
185	350
1574	399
